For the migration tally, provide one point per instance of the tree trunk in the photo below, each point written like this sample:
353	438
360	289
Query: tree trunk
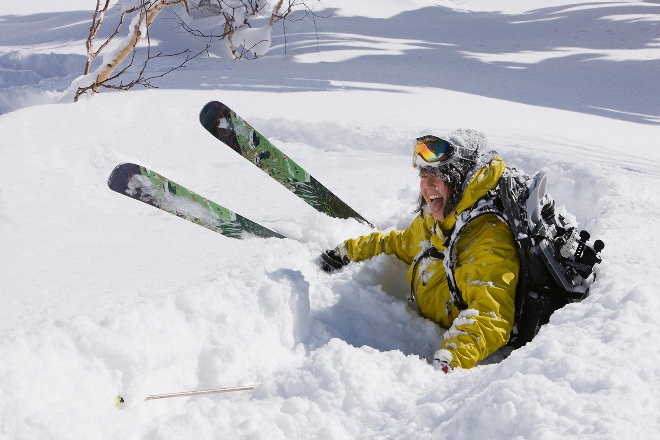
147	17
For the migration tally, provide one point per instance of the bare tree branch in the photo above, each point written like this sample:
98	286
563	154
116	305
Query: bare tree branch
147	11
235	15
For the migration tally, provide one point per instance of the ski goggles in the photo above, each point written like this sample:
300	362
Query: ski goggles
432	151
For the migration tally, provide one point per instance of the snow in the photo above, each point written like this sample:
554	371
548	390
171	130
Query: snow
103	295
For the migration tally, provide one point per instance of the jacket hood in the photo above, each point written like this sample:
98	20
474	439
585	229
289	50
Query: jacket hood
483	177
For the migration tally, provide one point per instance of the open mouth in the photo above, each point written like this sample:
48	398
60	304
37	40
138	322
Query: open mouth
435	202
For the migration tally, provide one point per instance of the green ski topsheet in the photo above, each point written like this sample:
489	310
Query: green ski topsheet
223	123
147	186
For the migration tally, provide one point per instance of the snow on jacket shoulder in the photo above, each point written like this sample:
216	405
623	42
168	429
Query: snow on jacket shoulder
486	272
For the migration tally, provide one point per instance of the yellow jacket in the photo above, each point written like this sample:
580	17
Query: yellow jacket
486	272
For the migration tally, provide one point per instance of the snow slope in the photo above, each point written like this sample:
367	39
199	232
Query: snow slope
102	295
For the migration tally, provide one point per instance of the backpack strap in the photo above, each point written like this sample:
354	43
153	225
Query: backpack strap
431	251
488	204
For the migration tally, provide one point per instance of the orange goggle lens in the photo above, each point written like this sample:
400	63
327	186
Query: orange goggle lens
433	150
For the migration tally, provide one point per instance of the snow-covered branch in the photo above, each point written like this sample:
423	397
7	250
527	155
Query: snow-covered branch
237	21
143	15
241	27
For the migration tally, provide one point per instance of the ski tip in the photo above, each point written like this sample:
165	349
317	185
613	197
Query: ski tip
213	103
210	113
119	177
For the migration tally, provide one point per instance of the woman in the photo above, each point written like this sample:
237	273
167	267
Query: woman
454	175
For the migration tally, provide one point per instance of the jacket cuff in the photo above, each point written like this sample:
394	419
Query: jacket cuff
443	355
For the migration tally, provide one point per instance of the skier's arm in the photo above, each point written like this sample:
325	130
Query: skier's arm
405	243
358	249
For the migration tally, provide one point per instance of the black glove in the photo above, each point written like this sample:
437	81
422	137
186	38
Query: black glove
333	259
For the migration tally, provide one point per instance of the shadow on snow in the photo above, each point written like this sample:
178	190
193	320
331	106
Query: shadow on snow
595	59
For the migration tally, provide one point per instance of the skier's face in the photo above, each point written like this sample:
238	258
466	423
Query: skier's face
435	192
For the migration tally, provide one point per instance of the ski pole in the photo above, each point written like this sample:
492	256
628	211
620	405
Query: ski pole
199	392
120	402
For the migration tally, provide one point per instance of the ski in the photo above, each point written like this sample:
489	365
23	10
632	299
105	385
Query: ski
225	125
147	186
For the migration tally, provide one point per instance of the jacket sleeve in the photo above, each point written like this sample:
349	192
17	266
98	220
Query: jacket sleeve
402	243
486	274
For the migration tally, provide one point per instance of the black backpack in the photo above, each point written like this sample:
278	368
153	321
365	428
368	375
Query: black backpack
556	261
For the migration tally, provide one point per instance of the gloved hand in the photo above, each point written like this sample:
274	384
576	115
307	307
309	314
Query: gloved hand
441	360
334	259
441	366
